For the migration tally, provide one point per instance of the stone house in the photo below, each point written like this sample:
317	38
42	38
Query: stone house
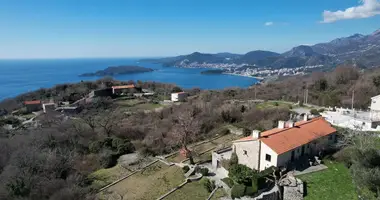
283	145
32	106
125	89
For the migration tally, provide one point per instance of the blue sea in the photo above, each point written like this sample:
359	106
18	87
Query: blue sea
20	76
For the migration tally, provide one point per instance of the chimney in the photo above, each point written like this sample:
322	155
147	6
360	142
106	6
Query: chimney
290	124
256	134
281	124
305	117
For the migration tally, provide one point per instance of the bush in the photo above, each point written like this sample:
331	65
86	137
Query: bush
321	110
185	169
242	174
275	104
224	131
250	191
203	171
95	146
238	191
229	182
234	159
314	112
207	184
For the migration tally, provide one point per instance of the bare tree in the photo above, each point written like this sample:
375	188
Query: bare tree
186	128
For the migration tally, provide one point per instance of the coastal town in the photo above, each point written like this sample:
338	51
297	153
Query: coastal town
252	70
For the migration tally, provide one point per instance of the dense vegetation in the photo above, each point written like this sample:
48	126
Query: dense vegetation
54	161
324	88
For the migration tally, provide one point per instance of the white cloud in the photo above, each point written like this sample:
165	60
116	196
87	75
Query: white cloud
268	23
367	8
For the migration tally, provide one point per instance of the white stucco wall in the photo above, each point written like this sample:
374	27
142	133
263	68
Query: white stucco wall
375	103
178	96
251	159
263	162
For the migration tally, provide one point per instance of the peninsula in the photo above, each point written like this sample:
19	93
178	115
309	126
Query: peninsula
118	70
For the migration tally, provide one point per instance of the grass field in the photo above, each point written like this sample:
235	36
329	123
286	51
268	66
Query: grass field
151	183
194	191
332	183
103	177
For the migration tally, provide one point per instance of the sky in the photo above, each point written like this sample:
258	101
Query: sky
155	28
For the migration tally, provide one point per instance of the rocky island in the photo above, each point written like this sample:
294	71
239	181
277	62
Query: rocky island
118	70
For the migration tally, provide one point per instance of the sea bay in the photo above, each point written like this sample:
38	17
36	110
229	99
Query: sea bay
20	76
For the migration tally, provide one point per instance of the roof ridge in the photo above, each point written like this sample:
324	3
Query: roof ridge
288	128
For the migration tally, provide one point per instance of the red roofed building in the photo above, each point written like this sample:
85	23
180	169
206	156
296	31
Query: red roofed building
122	89
32	106
280	146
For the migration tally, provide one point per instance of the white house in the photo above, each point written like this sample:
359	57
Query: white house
280	146
179	96
375	108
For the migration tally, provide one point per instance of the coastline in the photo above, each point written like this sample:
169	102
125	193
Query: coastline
255	77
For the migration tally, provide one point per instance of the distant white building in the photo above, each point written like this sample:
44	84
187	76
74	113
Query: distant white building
281	146
375	108
179	96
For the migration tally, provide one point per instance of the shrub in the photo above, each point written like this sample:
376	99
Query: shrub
275	104
321	110
185	169
203	171
314	112
250	191
234	159
229	182
207	184
224	131
238	191
255	186
242	174
95	146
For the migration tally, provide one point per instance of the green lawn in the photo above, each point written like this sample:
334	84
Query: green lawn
151	183
332	183
102	177
194	191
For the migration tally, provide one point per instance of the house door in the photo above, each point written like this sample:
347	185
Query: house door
303	151
217	164
292	158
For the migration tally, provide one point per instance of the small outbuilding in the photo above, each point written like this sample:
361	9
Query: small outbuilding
32	106
179	96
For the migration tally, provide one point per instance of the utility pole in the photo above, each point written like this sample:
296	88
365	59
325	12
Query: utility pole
307	94
352	100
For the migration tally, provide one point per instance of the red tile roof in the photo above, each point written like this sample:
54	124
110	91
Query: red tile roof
123	86
32	102
303	132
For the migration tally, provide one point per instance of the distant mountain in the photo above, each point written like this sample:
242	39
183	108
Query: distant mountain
363	50
356	48
111	71
253	57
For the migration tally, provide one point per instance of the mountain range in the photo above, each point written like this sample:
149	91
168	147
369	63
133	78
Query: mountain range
363	50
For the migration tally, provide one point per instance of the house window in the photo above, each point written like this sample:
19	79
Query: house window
330	137
244	152
308	145
267	157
